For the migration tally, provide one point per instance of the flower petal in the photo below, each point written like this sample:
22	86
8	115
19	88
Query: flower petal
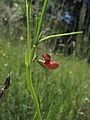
52	65
47	63
47	57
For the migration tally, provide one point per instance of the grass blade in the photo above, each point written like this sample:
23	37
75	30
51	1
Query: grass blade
50	110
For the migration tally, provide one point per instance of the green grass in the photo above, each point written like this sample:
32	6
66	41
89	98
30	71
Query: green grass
67	87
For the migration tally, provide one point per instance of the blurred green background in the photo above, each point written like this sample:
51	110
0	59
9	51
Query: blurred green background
67	86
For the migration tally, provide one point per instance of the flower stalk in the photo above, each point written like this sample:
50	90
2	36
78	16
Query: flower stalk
30	53
28	60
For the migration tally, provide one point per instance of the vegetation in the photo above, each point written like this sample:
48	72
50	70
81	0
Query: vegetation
62	94
67	86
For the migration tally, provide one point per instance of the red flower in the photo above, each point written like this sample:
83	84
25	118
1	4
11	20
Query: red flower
48	63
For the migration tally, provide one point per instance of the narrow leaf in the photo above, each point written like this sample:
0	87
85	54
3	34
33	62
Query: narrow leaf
59	35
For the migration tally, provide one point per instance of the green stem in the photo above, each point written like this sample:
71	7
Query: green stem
41	18
38	29
28	60
28	12
59	35
31	89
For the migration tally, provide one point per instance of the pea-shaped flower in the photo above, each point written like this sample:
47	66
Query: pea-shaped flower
47	62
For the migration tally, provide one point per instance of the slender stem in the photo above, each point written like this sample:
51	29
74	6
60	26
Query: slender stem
28	58
31	89
28	14
59	35
41	19
38	30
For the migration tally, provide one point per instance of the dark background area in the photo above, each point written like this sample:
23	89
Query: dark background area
61	16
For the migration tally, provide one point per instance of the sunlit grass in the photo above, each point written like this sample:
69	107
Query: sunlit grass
67	86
